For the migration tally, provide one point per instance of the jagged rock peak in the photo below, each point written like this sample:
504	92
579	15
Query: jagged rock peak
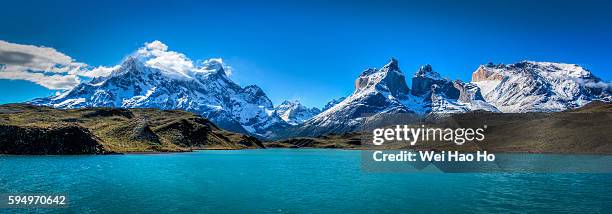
387	79
426	71
392	65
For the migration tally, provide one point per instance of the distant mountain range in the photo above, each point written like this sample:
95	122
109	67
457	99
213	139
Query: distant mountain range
522	87
294	113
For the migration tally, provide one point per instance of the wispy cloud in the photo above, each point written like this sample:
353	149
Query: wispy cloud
594	83
156	54
44	66
55	70
53	81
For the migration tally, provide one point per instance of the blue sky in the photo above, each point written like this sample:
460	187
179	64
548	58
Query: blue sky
314	50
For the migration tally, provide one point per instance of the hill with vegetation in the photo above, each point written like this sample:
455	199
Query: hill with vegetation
28	129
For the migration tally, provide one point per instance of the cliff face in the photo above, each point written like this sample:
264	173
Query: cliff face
38	130
426	81
70	140
484	73
467	92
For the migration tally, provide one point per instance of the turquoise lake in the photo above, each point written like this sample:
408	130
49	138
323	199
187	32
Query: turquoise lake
288	181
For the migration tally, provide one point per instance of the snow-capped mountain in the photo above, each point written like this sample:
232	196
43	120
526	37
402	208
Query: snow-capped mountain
294	113
332	103
376	91
146	80
521	87
539	86
154	77
384	91
441	95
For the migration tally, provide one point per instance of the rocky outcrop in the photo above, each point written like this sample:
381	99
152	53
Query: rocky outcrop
443	96
427	82
484	72
423	80
33	140
467	92
380	92
389	79
377	91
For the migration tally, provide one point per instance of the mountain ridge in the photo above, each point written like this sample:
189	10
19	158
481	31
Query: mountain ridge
384	91
141	82
148	79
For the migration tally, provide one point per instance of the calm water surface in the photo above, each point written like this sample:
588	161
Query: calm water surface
288	181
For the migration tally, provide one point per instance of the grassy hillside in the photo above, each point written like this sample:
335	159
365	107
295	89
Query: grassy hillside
27	129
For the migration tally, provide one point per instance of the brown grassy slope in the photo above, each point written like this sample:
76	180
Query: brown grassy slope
27	129
583	130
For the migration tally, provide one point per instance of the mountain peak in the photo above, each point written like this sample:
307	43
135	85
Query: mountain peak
388	79
293	112
291	102
392	65
130	62
155	77
426	71
215	66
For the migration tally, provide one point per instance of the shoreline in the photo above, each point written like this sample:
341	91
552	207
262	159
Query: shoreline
303	148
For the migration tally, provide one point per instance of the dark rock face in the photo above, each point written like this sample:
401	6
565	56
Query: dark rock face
249	141
187	132
143	132
484	73
389	78
68	140
446	89
427	82
467	91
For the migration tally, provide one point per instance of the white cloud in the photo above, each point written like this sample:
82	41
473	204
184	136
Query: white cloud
54	81
44	66
55	70
216	63
590	83
155	54
156	45
100	71
36	58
